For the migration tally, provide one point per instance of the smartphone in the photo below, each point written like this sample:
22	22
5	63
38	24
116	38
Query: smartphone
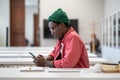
32	55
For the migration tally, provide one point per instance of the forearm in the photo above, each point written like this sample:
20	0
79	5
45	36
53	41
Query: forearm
49	63
49	58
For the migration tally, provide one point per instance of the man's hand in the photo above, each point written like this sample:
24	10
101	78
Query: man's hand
40	61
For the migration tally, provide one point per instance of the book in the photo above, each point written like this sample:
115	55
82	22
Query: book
110	67
31	69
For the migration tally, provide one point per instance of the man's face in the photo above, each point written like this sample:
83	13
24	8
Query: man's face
56	29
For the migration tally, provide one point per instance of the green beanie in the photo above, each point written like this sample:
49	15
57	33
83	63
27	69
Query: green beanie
59	16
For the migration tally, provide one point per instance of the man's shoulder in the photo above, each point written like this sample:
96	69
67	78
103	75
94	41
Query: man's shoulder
73	34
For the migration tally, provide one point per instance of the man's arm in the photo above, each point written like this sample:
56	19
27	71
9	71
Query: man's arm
49	58
42	62
49	61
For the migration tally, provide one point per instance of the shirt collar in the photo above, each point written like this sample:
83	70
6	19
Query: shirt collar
68	32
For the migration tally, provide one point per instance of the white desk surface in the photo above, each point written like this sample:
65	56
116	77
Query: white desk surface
30	60
21	54
97	60
25	48
92	55
6	52
16	61
25	54
15	74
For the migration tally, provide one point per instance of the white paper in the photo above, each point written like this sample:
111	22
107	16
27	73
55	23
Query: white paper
31	69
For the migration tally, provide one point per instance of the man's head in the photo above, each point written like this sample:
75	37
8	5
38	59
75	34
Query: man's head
58	23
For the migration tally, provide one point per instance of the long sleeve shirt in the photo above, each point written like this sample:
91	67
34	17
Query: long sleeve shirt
72	50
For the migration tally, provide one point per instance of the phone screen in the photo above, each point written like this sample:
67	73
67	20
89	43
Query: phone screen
32	55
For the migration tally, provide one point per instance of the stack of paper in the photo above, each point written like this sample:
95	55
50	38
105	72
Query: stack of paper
31	69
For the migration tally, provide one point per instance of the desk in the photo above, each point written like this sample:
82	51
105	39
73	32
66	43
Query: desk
25	48
29	61
6	52
97	60
15	74
92	55
16	62
25	54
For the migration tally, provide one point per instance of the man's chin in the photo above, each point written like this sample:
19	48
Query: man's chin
59	38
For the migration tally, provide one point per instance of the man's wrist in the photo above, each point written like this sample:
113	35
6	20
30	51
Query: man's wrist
49	63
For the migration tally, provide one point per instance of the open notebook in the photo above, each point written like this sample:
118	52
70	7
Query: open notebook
63	70
31	69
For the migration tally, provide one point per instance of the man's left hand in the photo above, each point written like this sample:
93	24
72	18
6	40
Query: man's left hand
40	61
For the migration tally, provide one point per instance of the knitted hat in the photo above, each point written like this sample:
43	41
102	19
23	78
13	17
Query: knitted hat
59	16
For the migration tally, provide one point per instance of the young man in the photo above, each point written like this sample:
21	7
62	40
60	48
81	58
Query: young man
70	51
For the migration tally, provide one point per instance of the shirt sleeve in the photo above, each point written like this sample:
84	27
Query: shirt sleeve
72	52
53	52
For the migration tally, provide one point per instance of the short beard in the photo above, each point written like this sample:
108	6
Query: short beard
61	37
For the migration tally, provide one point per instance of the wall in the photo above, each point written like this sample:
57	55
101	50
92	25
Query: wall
111	6
31	8
112	54
29	23
4	20
84	10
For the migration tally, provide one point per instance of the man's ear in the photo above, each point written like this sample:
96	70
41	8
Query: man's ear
63	25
